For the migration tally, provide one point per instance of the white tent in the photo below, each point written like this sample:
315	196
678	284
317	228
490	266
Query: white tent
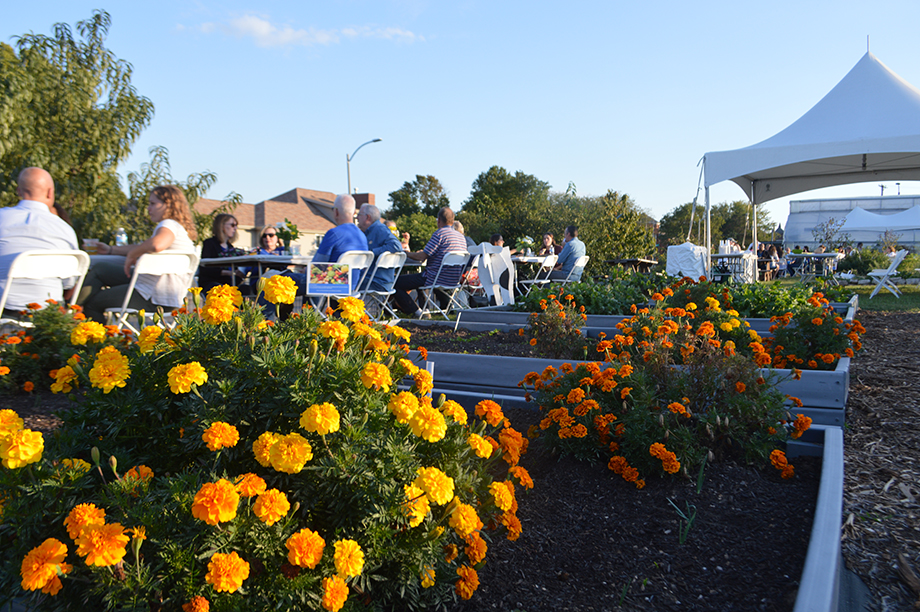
860	219
867	128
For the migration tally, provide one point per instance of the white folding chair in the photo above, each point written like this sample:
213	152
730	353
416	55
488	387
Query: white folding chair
883	276
37	265
377	302
580	264
542	277
155	264
453	259
359	262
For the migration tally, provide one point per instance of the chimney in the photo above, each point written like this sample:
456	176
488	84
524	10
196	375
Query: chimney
363	198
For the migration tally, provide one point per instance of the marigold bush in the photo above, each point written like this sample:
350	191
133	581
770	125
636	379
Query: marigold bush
231	465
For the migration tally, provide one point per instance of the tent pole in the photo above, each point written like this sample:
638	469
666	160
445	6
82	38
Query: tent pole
754	210
708	240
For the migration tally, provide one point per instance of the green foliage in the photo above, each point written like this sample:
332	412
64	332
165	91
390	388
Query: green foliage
512	205
420	227
862	262
424	195
614	298
727	220
67	105
764	300
259	378
555	329
813	337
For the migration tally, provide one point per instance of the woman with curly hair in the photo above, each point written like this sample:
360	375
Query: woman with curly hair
107	282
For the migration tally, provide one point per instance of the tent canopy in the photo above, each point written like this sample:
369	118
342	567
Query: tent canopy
860	219
867	128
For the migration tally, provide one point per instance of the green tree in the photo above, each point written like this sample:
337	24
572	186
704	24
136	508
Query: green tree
674	226
514	205
67	105
424	195
420	227
727	220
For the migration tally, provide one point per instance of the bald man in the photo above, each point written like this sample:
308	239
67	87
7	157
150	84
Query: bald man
33	225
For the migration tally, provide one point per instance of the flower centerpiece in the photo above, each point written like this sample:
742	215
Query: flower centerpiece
524	245
287	232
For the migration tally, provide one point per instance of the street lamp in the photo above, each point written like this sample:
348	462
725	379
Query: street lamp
348	159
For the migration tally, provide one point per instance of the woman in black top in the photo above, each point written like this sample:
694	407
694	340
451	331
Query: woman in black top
219	245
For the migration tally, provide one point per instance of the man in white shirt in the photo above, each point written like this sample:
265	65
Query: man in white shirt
33	225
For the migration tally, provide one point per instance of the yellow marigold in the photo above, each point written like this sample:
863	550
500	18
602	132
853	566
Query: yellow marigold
464	520
502	495
262	447
82	516
280	289
149	337
220	435
726	327
21	448
197	604
88	331
438	486
417	506
403	405
305	548
102	545
480	446
320	418
468	583
250	485
522	475
63	378
227	292
76	464
335	330
349	558
290	453
335	592
217	309
183	376
216	502
43	565
376	376
408	366
454	411
427	577
428	423
271	506
9	422
490	411
226	572
352	309
110	369
424	383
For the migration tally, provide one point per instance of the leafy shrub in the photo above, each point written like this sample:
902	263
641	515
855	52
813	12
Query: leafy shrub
247	446
862	262
555	331
612	298
815	337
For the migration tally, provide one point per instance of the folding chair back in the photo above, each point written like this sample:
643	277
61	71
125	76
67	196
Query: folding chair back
580	264
542	276
452	259
375	301
358	261
36	265
155	264
883	276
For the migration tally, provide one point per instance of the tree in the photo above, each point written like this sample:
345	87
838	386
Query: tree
674	226
420	227
67	105
424	195
727	220
514	205
830	235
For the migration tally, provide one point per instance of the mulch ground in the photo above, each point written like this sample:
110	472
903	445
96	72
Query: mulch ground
593	542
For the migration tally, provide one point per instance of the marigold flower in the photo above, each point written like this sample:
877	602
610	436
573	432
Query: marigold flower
438	486
87	331
140	473
77	465
82	516
475	548
464	519
226	572
305	548
424	382
335	592
28	386
522	475
220	435
403	405
513	445
228	292
320	418
427	577
334	330
42	565
63	377
110	369
352	309
450	553
817	321
271	506
490	411
197	604
740	387
468	583
513	525
778	459
788	472
480	446
217	309
624	392
149	338
502	495
22	447
290	453
377	376
349	558
416	507
183	376
250	485
9	422
428	423
261	448
102	545
280	289
216	502
455	411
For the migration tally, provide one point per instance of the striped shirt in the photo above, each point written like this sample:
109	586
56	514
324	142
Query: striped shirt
443	242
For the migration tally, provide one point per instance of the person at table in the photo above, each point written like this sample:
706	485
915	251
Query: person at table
175	231
32	225
442	242
345	236
269	244
469	241
220	244
572	249
549	246
499	241
380	240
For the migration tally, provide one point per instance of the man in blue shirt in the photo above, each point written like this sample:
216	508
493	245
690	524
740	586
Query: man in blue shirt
379	240
573	249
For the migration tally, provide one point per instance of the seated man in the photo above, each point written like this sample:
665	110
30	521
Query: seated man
379	240
571	251
443	241
33	225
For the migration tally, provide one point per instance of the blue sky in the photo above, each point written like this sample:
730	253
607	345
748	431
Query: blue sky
605	94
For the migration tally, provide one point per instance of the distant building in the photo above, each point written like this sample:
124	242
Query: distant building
805	215
308	209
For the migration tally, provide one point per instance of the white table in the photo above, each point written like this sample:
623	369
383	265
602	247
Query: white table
816	264
258	260
741	266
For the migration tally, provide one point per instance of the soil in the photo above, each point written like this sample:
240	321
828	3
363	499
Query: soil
591	541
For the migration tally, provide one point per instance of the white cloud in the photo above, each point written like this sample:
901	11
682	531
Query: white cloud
266	34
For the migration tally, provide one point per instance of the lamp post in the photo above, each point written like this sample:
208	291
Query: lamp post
348	159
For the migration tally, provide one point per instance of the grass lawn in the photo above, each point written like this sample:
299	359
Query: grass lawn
885	300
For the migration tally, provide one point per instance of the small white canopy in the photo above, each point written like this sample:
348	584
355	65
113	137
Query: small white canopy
860	219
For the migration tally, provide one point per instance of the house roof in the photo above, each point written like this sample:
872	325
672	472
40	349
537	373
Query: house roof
308	209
